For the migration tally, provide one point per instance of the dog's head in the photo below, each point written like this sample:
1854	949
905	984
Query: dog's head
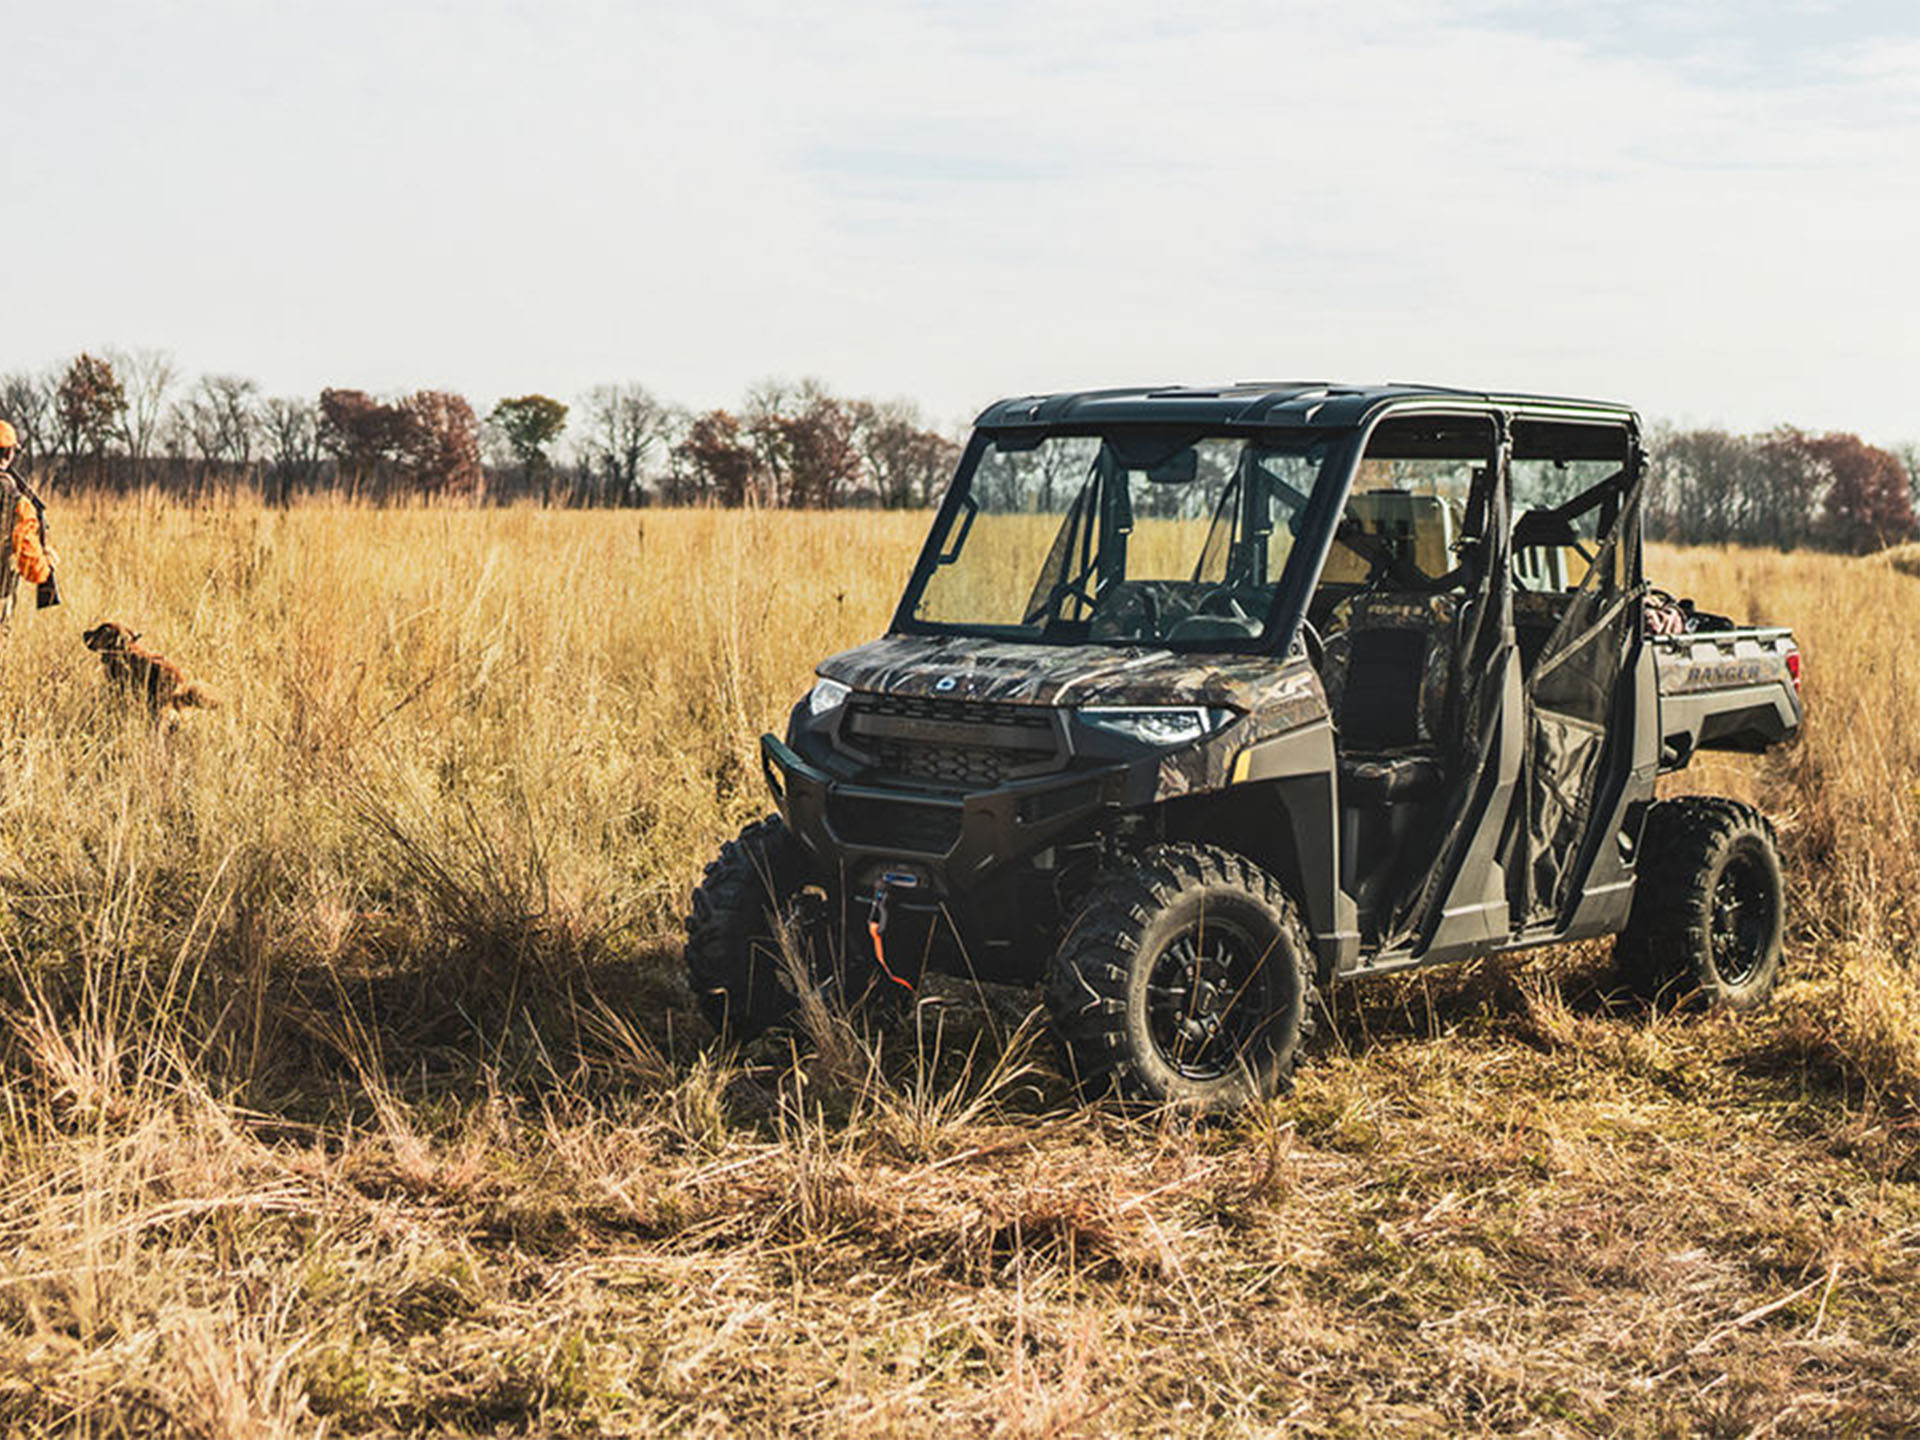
110	636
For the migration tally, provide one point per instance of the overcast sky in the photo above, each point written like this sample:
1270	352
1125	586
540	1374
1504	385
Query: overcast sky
1710	210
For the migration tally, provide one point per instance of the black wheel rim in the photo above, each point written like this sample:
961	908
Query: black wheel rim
1207	1000
1743	919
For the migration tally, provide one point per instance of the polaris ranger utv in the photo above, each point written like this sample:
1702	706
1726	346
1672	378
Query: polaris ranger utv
1197	700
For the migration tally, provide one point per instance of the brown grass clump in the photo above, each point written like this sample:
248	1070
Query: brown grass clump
348	1083
1904	558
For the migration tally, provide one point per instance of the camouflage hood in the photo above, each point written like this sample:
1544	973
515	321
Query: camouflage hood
1008	672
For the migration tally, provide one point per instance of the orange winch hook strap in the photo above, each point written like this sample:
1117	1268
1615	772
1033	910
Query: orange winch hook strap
876	927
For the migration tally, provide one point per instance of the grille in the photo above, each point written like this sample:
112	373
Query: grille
924	829
958	767
955	744
955	712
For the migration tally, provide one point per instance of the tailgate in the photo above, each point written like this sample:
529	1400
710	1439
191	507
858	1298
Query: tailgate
1726	690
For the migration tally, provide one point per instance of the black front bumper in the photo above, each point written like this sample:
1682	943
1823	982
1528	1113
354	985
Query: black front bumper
951	841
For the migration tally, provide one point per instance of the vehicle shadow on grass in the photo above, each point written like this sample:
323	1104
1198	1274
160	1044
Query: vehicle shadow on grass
537	1015
590	1022
321	1044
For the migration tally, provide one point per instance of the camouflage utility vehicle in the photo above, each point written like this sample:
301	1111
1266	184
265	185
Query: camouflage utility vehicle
1198	699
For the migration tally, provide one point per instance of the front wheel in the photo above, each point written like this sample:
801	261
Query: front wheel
1709	905
756	931
1186	979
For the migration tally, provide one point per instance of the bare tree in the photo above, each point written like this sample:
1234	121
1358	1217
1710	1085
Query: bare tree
678	484
290	436
1909	457
219	421
1704	482
767	403
623	422
191	426
147	376
235	403
27	401
906	463
175	438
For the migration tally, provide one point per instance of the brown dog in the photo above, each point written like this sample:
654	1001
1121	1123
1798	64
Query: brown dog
156	679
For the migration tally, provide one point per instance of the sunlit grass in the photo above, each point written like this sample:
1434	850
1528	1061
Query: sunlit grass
349	1078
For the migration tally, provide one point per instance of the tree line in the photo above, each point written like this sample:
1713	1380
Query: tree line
1786	489
125	421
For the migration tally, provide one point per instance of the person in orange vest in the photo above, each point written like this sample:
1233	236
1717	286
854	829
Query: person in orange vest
28	555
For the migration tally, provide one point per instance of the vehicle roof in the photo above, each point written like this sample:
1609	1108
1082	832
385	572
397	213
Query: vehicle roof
1295	403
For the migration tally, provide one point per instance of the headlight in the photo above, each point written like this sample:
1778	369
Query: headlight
1158	724
827	697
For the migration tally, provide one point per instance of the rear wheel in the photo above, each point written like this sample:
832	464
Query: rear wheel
1709	906
1186	979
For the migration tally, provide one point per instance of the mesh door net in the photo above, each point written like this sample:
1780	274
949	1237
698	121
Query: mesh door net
1571	697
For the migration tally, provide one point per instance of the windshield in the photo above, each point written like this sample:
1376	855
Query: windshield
1123	538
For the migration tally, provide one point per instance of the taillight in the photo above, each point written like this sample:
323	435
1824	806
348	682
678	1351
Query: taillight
1793	669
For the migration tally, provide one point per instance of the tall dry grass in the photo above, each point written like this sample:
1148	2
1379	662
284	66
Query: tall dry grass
484	735
350	1084
1847	799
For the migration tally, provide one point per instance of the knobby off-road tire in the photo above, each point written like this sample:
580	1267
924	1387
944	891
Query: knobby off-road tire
1186	979
1709	906
749	916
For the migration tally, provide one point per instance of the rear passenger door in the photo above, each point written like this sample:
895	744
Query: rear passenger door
1577	617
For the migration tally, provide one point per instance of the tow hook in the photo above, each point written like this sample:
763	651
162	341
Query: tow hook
877	921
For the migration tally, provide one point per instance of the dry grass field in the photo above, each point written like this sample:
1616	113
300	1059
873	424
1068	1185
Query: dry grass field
350	1084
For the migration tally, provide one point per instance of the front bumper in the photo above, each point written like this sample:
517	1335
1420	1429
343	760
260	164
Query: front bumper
950	841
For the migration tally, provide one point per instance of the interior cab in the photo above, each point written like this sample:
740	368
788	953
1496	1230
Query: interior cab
1472	615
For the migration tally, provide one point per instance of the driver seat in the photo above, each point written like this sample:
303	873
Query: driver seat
1389	683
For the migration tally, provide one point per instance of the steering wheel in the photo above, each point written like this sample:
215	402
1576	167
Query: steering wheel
1231	609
